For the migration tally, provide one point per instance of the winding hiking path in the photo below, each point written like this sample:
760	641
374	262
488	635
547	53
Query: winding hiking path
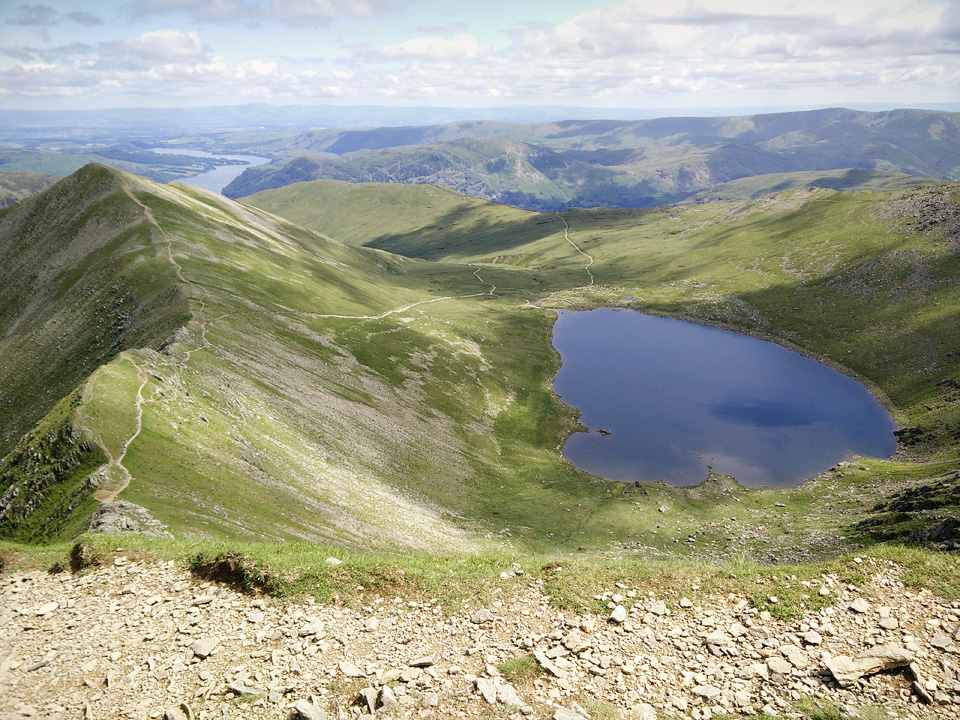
566	236
178	270
404	308
104	495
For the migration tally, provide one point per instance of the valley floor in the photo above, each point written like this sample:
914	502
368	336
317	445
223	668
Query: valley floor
137	638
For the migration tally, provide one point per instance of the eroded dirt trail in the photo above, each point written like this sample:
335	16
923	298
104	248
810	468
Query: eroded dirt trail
566	236
105	495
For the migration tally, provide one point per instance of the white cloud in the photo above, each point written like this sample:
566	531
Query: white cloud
299	13
461	47
707	52
167	44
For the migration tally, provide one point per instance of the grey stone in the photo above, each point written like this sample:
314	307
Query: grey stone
431	700
561	713
889	623
812	638
776	665
410	675
387	698
707	692
314	627
547	665
644	712
488	689
941	641
860	606
718	638
848	670
658	608
351	671
482	616
921	692
507	695
306	710
367	700
238	689
422	662
203	647
797	657
619	614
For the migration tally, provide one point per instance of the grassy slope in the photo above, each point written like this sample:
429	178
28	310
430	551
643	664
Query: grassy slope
865	281
436	426
856	180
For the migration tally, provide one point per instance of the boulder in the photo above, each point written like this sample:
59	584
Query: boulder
848	670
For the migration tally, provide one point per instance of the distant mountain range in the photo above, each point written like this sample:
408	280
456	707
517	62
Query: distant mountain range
617	163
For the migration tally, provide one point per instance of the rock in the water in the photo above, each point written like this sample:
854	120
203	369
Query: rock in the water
848	670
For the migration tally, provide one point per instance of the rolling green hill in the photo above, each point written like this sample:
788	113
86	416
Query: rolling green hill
555	166
382	380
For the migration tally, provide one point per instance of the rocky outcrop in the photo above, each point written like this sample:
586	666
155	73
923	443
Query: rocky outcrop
46	478
147	639
125	518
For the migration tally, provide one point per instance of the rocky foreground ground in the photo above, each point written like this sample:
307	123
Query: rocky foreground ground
146	639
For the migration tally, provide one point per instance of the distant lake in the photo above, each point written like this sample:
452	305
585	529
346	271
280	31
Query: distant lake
218	178
680	399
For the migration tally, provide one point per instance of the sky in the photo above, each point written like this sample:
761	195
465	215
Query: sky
72	54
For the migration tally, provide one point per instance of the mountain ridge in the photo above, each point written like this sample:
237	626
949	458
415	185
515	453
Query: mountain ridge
558	166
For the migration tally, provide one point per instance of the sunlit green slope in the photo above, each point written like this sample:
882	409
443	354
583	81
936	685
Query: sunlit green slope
865	281
296	384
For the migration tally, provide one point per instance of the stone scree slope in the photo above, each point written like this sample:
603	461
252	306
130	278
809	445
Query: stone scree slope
146	639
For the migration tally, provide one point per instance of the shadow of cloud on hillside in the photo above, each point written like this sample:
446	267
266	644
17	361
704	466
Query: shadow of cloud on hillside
465	232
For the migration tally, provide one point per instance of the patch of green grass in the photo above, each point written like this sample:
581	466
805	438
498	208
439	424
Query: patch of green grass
521	670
